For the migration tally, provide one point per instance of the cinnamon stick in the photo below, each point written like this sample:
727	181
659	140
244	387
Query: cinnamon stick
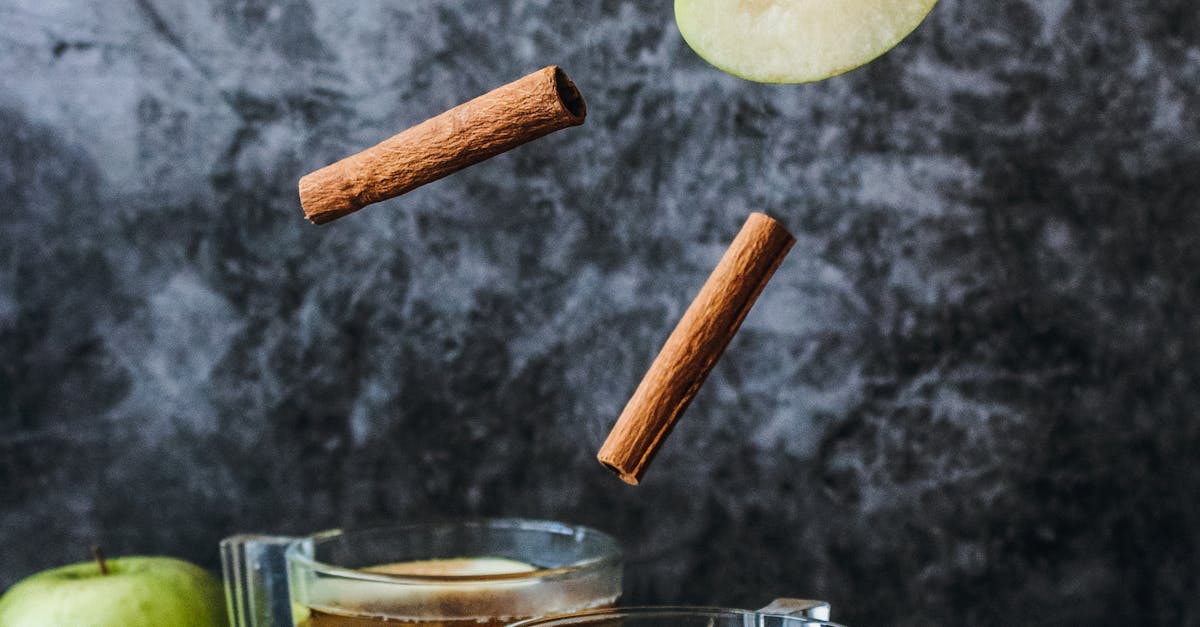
502	119
694	347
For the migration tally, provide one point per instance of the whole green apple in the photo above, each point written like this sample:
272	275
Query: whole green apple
136	592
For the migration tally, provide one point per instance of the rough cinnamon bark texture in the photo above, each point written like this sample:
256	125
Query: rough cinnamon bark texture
502	119
694	346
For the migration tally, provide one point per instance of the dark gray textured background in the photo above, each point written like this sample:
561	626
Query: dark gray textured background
971	392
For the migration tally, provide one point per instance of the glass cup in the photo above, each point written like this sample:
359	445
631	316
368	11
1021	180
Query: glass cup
519	569
780	613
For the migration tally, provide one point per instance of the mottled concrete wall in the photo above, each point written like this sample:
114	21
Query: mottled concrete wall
970	392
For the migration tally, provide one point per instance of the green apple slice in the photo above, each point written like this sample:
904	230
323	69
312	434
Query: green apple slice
795	41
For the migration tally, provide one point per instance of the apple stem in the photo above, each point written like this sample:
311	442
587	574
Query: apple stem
98	555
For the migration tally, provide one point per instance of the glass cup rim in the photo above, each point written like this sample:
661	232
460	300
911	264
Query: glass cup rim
666	611
609	555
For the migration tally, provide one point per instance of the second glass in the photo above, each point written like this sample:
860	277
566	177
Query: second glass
781	613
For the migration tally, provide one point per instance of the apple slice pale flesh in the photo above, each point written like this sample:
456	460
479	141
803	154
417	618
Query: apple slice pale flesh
795	41
455	567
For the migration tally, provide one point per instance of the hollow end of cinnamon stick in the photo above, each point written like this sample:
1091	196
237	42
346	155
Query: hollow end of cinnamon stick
694	346
568	95
506	117
631	479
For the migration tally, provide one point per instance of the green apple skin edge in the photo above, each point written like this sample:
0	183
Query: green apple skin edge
136	592
795	41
